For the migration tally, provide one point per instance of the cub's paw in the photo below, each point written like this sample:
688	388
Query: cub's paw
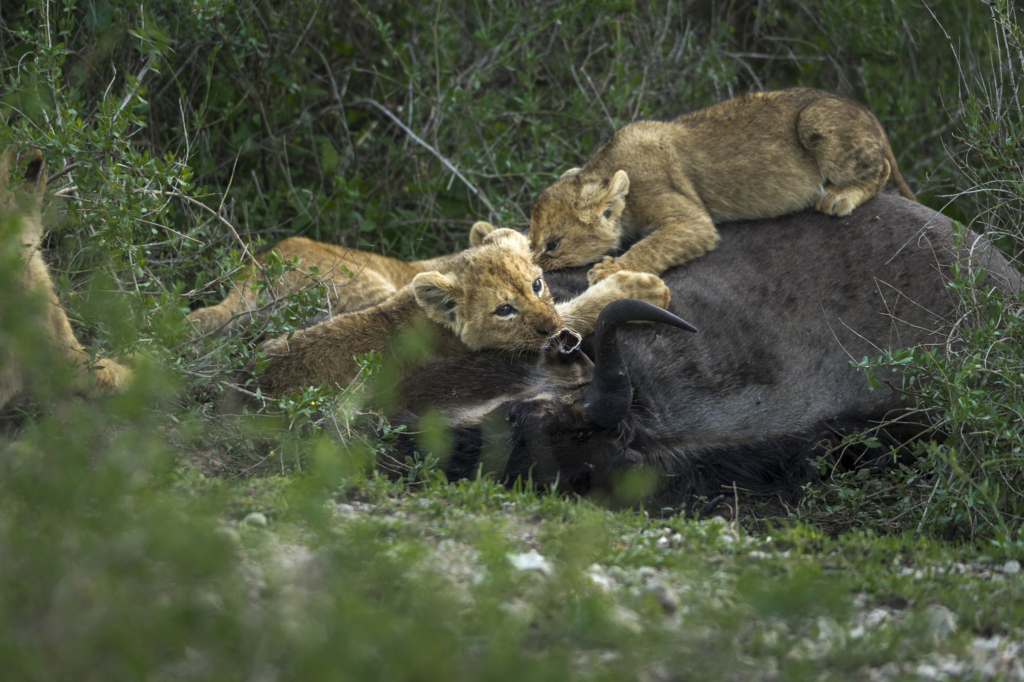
642	286
840	201
606	268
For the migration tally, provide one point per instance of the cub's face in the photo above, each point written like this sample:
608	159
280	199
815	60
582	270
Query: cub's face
576	221
491	296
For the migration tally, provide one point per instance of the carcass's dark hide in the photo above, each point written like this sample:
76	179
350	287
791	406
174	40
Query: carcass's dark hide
781	306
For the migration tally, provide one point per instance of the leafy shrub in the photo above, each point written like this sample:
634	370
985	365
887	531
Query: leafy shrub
968	484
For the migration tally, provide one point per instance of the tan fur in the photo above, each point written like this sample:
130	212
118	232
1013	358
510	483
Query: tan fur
455	308
374	279
25	206
757	156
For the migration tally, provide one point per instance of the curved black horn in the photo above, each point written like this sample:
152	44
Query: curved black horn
608	397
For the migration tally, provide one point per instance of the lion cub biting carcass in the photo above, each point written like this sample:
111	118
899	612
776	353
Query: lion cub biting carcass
25	206
491	296
761	155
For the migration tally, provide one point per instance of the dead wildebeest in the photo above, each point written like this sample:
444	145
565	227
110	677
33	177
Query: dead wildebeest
782	306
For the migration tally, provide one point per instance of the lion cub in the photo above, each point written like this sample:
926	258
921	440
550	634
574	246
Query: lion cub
757	156
24	206
374	279
491	296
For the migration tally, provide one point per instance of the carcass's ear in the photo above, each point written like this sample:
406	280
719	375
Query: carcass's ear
508	236
570	173
479	232
438	296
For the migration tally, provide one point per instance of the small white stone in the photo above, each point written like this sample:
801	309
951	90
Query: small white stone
927	672
941	621
664	596
627	618
255	519
662	543
875	617
530	561
345	509
598	576
1012	566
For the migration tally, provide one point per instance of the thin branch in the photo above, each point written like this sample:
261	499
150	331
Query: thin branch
448	164
138	82
67	169
215	214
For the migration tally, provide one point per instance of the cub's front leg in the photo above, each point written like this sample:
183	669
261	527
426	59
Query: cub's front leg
580	314
681	229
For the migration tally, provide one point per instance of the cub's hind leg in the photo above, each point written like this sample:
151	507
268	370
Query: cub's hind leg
366	289
851	150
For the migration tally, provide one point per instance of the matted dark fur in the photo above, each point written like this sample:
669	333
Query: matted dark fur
782	306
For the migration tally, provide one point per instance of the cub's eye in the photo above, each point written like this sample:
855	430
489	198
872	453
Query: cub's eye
553	244
504	310
537	286
607	214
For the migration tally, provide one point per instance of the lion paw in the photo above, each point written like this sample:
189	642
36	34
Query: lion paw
840	202
642	286
603	270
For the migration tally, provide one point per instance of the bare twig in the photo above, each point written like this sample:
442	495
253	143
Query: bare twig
337	98
447	164
64	171
215	214
316	9
138	81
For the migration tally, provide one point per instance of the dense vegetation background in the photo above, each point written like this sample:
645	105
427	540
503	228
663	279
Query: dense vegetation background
393	126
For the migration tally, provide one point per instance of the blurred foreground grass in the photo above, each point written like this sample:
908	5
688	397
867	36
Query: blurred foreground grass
116	562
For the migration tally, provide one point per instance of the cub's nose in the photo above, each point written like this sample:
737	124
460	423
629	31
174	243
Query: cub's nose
548	328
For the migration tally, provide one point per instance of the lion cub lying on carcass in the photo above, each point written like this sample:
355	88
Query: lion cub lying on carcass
25	206
491	296
757	156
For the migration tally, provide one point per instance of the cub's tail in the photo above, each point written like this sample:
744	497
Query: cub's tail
895	179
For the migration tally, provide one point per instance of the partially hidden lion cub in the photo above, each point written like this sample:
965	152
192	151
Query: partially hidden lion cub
24	205
757	156
490	296
374	279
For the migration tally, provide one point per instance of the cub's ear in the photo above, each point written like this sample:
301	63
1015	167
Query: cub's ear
7	160
35	174
608	190
570	173
479	232
34	184
438	296
619	186
509	236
